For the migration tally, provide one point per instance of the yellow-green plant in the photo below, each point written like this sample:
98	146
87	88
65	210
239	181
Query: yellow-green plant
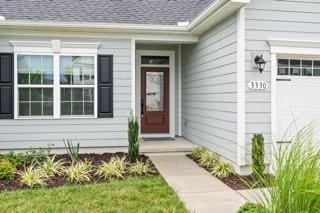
109	170
33	177
197	152
253	208
116	168
120	163
208	160
222	170
7	169
79	172
140	168
53	167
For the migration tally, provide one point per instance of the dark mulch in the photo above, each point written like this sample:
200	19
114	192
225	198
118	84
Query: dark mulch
56	181
237	182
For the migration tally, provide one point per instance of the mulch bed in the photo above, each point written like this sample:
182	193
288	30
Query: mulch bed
237	182
56	181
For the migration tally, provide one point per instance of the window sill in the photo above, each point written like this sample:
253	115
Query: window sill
60	118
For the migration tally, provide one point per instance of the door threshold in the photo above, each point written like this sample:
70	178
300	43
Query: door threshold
166	135
159	139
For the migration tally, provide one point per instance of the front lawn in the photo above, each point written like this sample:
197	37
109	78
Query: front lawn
134	194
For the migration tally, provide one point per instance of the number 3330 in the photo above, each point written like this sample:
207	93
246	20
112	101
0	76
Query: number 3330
258	85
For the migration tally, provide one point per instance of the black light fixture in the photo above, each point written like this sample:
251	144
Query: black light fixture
260	62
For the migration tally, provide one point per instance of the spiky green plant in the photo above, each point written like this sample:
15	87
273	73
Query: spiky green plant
197	152
33	177
296	183
72	149
133	134
53	167
208	159
79	172
140	168
222	170
258	165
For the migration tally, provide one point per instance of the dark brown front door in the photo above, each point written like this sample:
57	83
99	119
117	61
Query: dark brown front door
154	100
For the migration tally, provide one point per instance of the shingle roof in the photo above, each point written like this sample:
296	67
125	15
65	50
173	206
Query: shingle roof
160	12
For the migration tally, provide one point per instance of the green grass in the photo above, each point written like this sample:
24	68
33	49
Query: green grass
137	194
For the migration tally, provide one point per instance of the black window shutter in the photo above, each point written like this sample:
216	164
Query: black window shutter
6	86
105	86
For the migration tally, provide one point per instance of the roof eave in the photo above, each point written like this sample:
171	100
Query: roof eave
214	14
95	26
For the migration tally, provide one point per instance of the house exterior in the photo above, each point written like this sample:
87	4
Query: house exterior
77	70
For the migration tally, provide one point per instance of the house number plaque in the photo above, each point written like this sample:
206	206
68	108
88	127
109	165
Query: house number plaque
258	85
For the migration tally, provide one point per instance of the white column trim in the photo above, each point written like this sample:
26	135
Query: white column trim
274	68
241	118
180	92
133	76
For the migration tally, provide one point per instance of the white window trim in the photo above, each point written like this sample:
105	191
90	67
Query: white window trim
56	49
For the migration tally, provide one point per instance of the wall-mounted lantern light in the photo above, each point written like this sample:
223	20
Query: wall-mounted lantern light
260	62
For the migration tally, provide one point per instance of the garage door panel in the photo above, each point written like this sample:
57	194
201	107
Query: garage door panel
298	97
298	105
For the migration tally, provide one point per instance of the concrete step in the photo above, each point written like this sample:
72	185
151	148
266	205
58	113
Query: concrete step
177	146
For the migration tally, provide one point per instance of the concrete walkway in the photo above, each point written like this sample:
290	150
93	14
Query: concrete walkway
200	191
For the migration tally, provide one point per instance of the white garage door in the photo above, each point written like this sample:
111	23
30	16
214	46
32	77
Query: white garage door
298	97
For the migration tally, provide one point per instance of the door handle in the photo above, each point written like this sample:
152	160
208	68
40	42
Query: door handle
142	108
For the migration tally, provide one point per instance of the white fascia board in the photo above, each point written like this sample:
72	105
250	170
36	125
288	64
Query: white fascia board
217	12
88	25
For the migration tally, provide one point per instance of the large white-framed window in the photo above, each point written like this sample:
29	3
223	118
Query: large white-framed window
51	85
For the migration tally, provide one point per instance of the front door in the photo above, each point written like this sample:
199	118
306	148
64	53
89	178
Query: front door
154	100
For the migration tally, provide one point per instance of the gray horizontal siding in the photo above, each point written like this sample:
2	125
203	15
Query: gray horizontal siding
209	90
265	20
106	132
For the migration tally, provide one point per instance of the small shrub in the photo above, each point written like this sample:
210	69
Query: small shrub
252	208
207	160
120	163
108	171
72	150
133	134
197	152
33	177
79	172
17	159
114	169
7	170
53	167
140	168
37	157
258	165
222	170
